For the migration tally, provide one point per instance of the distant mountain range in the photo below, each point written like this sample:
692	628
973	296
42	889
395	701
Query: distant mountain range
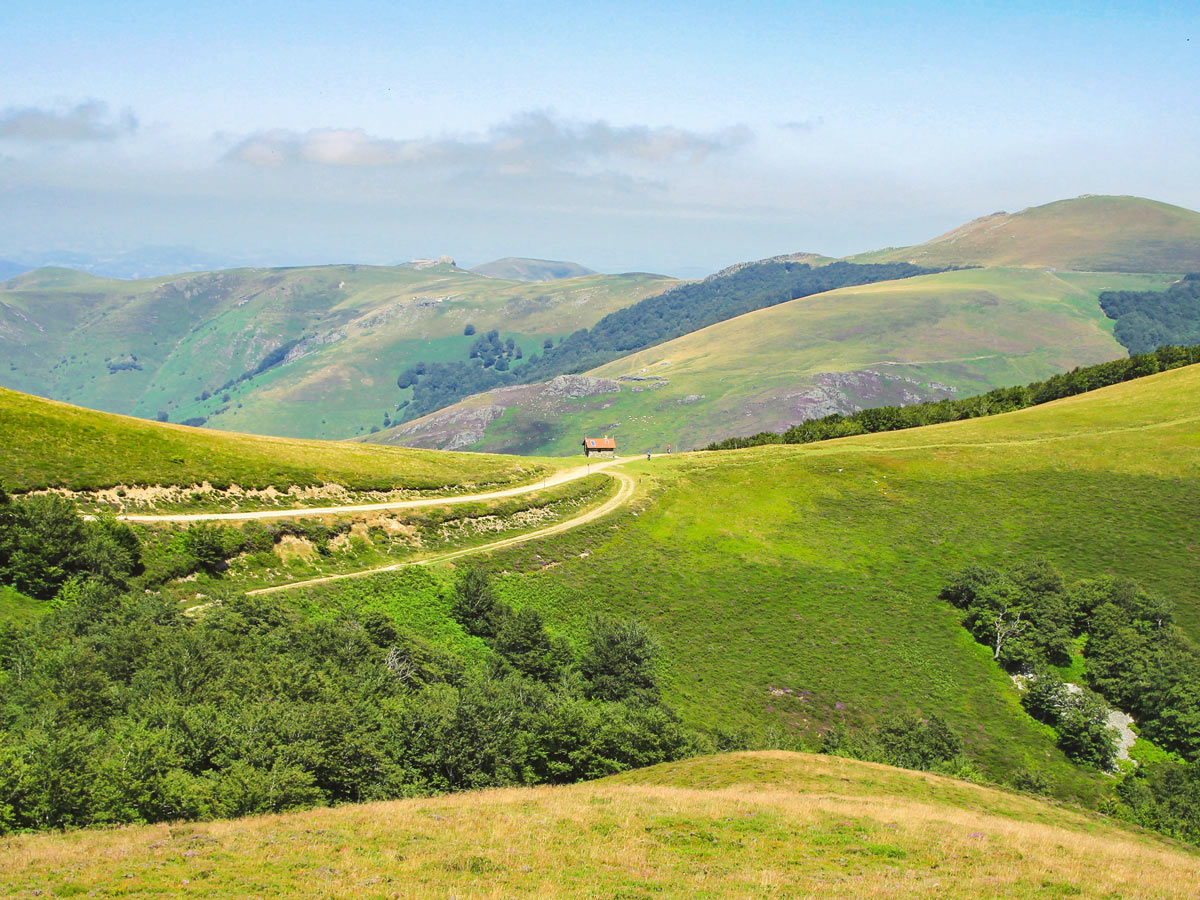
143	262
516	268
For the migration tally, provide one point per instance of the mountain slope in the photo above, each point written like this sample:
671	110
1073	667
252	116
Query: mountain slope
903	341
310	351
48	444
741	825
1090	233
516	268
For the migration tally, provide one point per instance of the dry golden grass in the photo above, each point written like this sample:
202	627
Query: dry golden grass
742	825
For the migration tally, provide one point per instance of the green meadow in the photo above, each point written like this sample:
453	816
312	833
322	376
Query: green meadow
795	587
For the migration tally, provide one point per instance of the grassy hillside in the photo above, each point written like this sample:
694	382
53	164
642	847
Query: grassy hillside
314	351
1090	233
795	587
928	337
764	824
47	443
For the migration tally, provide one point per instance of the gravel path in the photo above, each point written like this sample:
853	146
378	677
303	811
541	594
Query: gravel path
622	496
550	481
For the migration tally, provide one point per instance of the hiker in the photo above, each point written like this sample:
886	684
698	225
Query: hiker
668	449
647	454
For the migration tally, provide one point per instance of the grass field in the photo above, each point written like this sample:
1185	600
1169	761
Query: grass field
49	444
951	334
736	826
169	344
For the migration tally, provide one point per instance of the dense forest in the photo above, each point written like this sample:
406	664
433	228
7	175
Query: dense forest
122	708
1133	658
1148	319
1001	400
674	313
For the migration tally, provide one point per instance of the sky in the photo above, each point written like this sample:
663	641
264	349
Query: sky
666	137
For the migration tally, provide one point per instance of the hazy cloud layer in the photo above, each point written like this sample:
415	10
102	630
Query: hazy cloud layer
527	144
803	125
87	121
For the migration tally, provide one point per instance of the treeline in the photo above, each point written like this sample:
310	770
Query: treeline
689	307
1134	656
1000	400
1148	319
121	708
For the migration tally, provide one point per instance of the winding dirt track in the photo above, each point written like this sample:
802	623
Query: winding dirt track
550	481
619	499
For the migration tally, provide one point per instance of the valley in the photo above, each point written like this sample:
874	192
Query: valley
224	625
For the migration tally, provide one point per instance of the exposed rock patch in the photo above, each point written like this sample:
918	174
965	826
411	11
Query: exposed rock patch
466	423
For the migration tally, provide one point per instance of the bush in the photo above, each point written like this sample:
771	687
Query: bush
903	740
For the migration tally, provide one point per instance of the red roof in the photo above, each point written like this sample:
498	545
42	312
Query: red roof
600	443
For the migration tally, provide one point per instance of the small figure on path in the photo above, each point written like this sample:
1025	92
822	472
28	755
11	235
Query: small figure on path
647	454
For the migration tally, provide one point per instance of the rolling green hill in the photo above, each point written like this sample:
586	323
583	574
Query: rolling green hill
1090	233
311	352
51	444
928	337
1031	309
734	826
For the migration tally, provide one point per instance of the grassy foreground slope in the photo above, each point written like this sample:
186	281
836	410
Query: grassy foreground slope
1089	233
742	825
929	337
51	444
795	587
317	349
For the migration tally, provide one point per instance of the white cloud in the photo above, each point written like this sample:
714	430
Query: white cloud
86	121
527	144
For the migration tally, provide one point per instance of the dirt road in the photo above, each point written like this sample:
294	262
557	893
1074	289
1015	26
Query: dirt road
550	481
619	499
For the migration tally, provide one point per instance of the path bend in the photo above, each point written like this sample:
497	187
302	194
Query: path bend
620	498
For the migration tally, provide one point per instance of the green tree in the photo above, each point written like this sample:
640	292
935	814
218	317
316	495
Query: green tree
619	662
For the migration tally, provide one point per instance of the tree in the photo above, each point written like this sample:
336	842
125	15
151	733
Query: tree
619	662
522	640
469	329
475	604
1084	733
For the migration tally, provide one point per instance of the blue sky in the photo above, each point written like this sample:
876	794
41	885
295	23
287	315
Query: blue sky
664	136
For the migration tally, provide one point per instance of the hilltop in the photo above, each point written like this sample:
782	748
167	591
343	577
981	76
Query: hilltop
1089	233
312	352
516	268
718	827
